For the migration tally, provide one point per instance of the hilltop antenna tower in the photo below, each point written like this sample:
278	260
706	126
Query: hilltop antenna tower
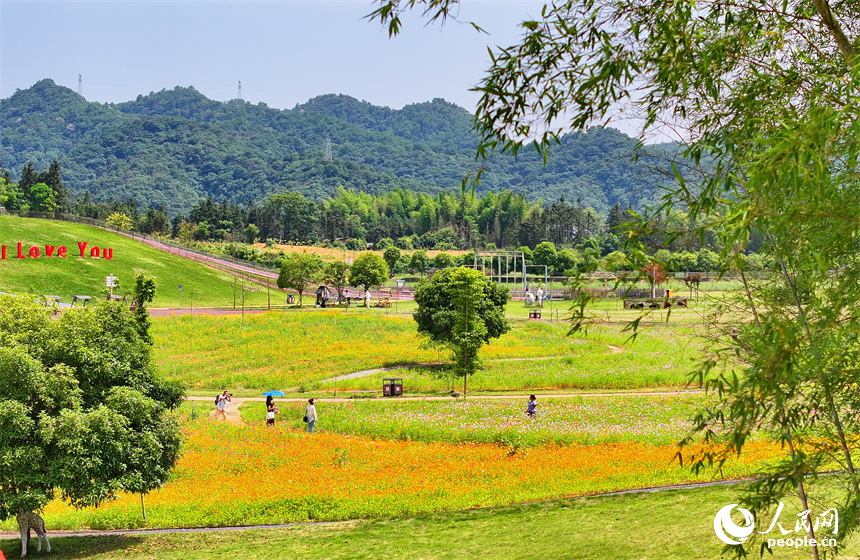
240	90
327	146
80	85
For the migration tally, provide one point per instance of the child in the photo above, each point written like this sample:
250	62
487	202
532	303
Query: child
270	415
532	406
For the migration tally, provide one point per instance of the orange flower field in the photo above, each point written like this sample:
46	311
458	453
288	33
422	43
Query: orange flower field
253	475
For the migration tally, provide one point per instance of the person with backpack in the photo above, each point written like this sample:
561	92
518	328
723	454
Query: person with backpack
310	415
221	404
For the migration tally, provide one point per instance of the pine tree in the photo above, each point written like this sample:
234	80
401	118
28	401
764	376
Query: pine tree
28	179
61	193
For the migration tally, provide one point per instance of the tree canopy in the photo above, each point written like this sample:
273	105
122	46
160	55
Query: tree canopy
82	413
194	148
299	270
369	269
462	309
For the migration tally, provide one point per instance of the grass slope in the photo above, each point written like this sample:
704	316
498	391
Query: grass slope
282	350
669	525
85	276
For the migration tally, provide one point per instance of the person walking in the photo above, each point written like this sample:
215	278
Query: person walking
221	404
532	409
311	415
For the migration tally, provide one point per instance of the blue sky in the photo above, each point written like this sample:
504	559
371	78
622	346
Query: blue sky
284	52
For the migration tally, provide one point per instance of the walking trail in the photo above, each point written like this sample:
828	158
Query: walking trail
238	401
232	411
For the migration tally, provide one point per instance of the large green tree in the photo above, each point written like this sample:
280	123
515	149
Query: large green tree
369	269
294	214
764	99
42	198
336	273
461	309
419	262
390	256
83	415
298	270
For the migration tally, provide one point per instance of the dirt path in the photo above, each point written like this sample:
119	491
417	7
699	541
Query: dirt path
516	396
232	411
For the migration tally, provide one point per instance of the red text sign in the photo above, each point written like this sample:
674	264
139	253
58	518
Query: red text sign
37	251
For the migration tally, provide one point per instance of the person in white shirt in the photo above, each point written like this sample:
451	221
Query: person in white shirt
221	405
539	296
311	415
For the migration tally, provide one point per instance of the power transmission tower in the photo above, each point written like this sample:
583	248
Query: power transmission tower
240	90
327	145
80	85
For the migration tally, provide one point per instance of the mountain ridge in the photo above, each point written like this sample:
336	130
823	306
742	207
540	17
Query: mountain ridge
175	147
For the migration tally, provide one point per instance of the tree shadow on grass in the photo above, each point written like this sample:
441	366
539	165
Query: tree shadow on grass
63	547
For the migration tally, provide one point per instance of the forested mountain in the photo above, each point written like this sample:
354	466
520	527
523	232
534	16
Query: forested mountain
176	147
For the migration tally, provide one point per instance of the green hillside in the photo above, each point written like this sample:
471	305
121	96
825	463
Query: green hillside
74	275
176	146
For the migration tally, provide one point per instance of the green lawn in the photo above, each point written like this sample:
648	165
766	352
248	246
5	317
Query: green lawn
670	525
286	349
602	358
202	286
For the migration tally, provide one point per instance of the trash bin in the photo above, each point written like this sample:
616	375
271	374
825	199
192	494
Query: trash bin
392	387
291	298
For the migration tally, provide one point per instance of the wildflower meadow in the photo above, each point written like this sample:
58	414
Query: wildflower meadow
242	475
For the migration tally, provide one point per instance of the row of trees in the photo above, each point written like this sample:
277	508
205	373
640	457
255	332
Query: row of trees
299	270
403	219
36	191
408	220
